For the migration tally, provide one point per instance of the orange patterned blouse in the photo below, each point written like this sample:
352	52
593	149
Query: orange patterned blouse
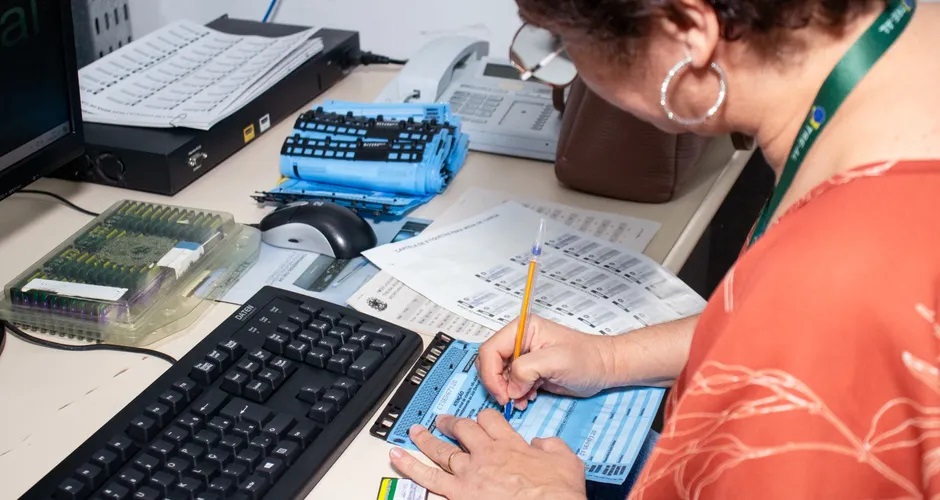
814	371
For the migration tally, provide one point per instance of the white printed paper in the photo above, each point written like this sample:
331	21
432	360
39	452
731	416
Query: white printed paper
82	290
187	75
477	269
388	299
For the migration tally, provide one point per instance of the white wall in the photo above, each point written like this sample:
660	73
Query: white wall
389	27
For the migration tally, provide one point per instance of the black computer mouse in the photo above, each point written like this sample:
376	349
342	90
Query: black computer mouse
318	226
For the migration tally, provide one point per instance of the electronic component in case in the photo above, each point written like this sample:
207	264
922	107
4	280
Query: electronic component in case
131	273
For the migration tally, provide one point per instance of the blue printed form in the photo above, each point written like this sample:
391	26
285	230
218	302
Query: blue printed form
606	430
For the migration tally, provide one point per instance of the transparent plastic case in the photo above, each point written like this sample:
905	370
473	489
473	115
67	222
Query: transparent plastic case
137	273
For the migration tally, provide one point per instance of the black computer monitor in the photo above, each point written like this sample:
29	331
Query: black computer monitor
40	107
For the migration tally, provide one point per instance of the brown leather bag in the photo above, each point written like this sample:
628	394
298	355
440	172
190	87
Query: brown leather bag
605	151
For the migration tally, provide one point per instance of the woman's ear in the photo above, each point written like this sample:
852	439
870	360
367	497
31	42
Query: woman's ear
695	26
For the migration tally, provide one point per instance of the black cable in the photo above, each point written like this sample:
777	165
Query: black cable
25	337
60	198
367	58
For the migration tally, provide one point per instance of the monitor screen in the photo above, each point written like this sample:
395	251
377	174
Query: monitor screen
40	122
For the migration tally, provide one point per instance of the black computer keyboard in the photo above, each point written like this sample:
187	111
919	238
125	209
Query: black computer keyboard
259	409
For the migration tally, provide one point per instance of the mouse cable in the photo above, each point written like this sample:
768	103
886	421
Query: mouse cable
25	337
60	198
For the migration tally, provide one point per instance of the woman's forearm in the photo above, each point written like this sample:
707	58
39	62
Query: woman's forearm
654	355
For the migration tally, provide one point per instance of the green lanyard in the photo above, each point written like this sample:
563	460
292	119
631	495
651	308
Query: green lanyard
840	82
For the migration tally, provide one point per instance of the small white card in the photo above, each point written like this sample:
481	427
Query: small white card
393	488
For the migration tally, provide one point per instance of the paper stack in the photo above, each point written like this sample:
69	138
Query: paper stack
379	159
188	75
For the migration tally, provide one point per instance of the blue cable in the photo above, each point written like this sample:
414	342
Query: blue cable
270	9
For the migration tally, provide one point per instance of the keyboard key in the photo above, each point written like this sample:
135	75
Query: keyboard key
272	468
261	356
246	430
250	456
310	309
304	432
319	327
73	488
222	485
114	491
277	427
318	357
347	386
285	366
162	481
219	457
221	425
300	319
174	401
339	363
193	452
188	487
219	358
330	316
351	323
123	447
233	348
235	382
258	391
311	393
107	460
323	412
159	413
309	338
236	471
338	398
207	438
249	366
276	342
147	464
210	404
132	478
381	332
205	372
162	449
297	349
254	487
263	444
289	329
142	429
353	350
233	444
361	339
190	423
246	411
340	333
329	344
178	467
147	493
175	435
204	472
288	451
273	377
365	365
382	346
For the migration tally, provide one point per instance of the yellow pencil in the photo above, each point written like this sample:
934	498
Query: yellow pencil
526	303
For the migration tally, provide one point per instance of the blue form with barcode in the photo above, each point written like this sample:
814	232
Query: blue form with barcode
606	430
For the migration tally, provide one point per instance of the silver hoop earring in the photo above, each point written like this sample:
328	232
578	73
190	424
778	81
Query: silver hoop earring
664	93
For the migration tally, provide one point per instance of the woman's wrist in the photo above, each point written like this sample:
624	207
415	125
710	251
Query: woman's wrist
652	356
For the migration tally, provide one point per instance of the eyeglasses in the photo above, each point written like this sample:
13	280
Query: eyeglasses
540	55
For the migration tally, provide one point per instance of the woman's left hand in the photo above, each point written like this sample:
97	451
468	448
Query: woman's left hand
494	462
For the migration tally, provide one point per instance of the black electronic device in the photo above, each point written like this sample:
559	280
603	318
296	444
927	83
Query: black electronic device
166	160
318	226
40	125
260	408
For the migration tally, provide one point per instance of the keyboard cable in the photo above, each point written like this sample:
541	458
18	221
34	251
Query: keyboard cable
61	199
25	337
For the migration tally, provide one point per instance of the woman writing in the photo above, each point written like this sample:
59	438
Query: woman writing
813	371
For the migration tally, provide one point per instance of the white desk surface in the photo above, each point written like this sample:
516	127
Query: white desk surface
53	400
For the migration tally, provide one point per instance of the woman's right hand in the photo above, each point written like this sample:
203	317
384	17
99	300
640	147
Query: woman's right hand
557	358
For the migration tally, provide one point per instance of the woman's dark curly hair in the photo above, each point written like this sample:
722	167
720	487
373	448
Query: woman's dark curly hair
619	24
